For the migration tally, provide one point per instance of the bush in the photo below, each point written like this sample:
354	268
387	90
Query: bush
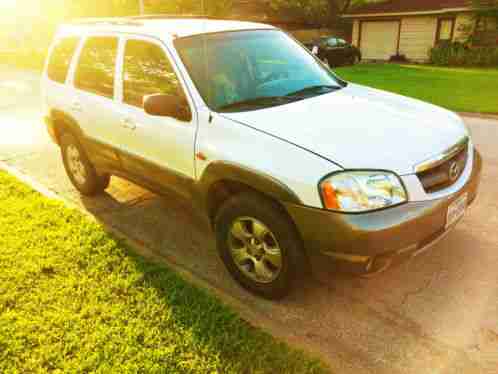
459	54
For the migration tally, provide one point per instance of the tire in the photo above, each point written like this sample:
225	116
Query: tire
249	213
79	169
355	59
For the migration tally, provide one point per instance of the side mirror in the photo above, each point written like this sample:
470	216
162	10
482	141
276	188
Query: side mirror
167	106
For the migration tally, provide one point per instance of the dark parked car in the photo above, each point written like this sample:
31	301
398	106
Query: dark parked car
335	51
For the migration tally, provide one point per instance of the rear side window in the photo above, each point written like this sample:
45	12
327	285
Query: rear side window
96	66
61	57
332	42
147	71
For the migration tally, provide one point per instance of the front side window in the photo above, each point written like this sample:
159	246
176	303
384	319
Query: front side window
147	71
249	70
61	57
97	65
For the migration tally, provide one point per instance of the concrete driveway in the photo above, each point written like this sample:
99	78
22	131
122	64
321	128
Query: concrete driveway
437	313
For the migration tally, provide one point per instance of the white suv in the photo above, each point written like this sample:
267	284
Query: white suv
292	165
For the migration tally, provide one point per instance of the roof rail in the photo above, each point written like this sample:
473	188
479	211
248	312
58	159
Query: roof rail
106	21
170	16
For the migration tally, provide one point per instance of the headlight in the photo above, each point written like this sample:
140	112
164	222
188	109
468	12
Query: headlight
362	191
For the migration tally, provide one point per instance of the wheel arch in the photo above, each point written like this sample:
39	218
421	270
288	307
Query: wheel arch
221	180
64	122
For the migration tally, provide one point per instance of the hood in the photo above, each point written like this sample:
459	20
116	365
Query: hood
362	128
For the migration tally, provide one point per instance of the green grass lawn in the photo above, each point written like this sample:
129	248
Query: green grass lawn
74	299
458	89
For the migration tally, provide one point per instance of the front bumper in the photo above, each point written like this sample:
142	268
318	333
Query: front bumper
369	242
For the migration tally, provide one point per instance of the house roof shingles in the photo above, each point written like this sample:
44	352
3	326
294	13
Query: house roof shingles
404	6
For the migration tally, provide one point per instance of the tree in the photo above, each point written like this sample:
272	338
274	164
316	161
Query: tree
307	11
103	8
211	7
484	31
322	12
486	8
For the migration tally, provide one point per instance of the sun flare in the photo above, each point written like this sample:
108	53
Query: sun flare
8	4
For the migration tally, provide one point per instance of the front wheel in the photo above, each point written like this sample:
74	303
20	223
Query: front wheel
259	245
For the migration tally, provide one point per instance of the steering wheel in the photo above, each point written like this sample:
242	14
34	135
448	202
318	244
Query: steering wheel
273	76
267	87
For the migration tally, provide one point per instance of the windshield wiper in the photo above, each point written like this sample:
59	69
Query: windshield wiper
258	102
314	90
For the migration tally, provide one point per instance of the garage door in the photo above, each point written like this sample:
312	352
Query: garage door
379	40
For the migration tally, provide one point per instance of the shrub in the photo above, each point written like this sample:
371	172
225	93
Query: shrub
459	54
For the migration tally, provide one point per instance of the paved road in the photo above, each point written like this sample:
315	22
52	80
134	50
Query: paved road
437	313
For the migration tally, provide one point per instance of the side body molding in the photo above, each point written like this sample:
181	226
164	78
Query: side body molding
103	156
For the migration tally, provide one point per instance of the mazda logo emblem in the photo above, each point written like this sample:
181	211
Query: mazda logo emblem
454	171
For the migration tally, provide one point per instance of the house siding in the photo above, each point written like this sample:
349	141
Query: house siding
417	37
356	33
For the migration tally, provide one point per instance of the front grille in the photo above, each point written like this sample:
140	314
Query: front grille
445	174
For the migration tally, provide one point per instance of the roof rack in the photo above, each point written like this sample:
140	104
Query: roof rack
121	21
170	16
135	20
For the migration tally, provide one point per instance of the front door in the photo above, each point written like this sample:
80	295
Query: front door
334	53
159	149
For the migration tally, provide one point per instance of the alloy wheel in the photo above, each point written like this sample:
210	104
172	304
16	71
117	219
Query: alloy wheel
75	164
255	250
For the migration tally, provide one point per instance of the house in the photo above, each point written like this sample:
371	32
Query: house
411	27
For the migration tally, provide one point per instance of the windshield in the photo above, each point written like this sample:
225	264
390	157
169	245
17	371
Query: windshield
248	70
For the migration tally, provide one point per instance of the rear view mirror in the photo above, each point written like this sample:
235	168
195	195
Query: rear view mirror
167	106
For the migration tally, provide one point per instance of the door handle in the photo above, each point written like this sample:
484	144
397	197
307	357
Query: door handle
76	107
128	123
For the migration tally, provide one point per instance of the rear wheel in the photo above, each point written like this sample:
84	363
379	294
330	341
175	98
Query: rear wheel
79	169
259	245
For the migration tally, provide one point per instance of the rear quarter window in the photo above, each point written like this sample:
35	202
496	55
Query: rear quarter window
60	59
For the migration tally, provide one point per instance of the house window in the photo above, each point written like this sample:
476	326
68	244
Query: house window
445	29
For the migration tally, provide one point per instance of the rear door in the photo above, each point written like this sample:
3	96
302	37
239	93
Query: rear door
160	149
93	102
55	90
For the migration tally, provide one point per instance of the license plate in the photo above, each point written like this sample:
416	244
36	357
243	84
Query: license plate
456	210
